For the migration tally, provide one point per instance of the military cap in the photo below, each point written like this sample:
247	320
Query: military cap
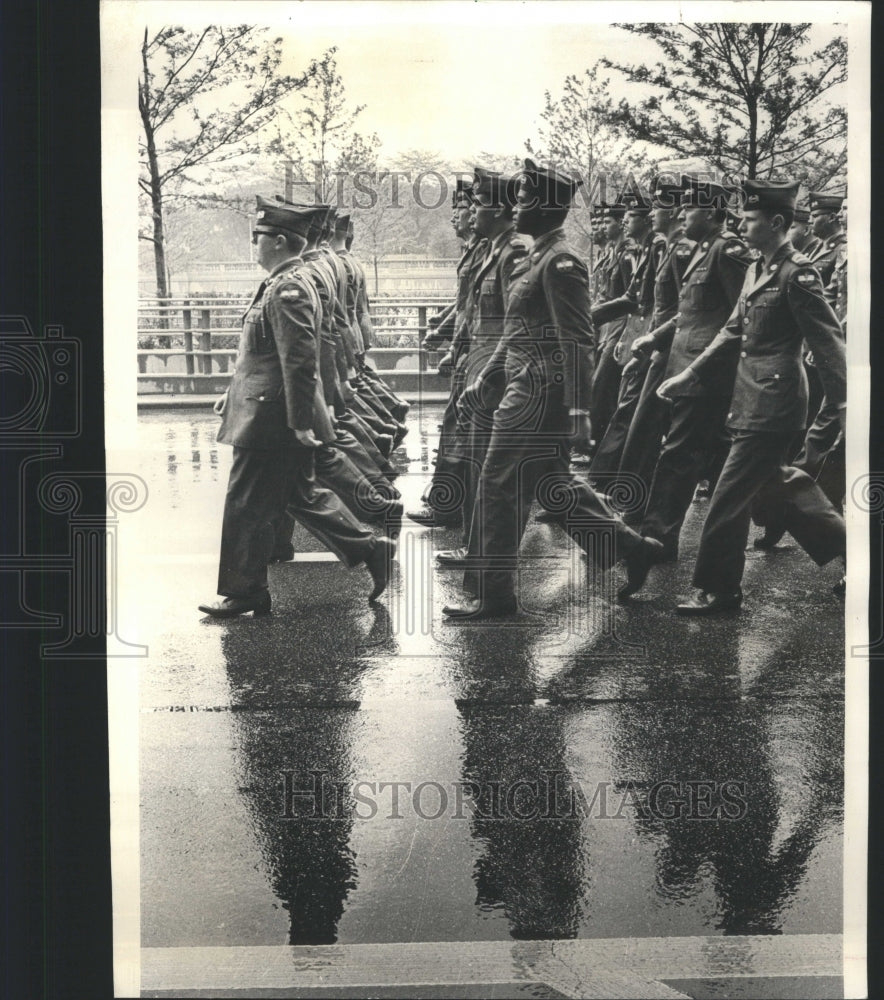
770	196
699	192
492	186
802	213
463	191
666	191
342	224
551	188
615	211
820	202
283	217
634	199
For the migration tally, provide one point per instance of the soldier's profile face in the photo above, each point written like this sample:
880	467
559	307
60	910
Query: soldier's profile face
613	228
798	232
821	222
634	223
660	218
756	228
484	217
696	221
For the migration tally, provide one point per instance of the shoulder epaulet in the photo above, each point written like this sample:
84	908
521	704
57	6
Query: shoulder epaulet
797	257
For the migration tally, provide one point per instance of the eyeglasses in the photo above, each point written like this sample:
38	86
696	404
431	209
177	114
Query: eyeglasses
256	234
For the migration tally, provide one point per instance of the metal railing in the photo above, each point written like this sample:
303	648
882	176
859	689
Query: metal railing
188	344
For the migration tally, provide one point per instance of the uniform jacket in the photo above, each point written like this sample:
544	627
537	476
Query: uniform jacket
596	282
490	283
333	357
546	351
637	302
779	307
615	277
710	287
352	297
274	388
824	256
352	344
836	290
463	309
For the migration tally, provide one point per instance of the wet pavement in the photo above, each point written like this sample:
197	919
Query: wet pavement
345	775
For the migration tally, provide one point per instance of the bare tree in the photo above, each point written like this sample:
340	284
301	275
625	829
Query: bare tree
204	98
749	98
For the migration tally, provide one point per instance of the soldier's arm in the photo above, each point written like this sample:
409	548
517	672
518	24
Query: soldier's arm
363	308
443	330
662	336
732	263
821	330
723	350
566	284
292	317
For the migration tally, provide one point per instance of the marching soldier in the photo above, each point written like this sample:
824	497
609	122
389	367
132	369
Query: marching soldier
494	203
638	305
800	235
642	446
696	438
616	274
444	496
536	386
781	306
826	222
268	417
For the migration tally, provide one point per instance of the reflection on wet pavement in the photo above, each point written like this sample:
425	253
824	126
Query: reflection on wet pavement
342	773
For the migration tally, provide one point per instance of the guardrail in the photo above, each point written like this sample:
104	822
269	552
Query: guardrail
187	345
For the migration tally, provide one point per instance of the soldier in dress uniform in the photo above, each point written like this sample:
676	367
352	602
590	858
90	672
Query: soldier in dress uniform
642	446
444	497
800	235
268	417
616	274
781	306
536	386
696	439
826	221
601	246
637	304
494	203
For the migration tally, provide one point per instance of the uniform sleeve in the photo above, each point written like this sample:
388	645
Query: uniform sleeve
821	330
566	285
722	352
292	317
733	261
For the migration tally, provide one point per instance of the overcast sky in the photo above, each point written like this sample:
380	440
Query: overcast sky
458	77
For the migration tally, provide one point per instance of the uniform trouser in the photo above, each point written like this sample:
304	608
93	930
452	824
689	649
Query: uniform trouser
354	424
263	483
755	472
605	385
370	416
821	437
519	468
445	492
397	407
355	452
696	440
607	457
642	446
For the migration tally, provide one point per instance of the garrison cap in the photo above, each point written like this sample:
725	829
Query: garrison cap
551	188
463	191
666	191
615	211
820	202
342	224
771	196
634	199
699	192
802	213
283	217
494	188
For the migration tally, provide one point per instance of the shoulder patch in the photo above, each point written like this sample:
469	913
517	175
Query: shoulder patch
565	264
733	248
807	278
683	251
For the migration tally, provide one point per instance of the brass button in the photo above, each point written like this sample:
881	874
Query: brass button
742	354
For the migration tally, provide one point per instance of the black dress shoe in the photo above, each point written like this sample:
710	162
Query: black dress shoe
638	564
769	539
453	558
379	564
433	518
475	610
384	444
230	607
703	603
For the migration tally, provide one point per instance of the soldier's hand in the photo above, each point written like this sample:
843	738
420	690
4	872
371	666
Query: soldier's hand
220	405
434	321
347	391
469	403
618	352
643	344
446	365
332	416
632	365
671	386
581	437
307	439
